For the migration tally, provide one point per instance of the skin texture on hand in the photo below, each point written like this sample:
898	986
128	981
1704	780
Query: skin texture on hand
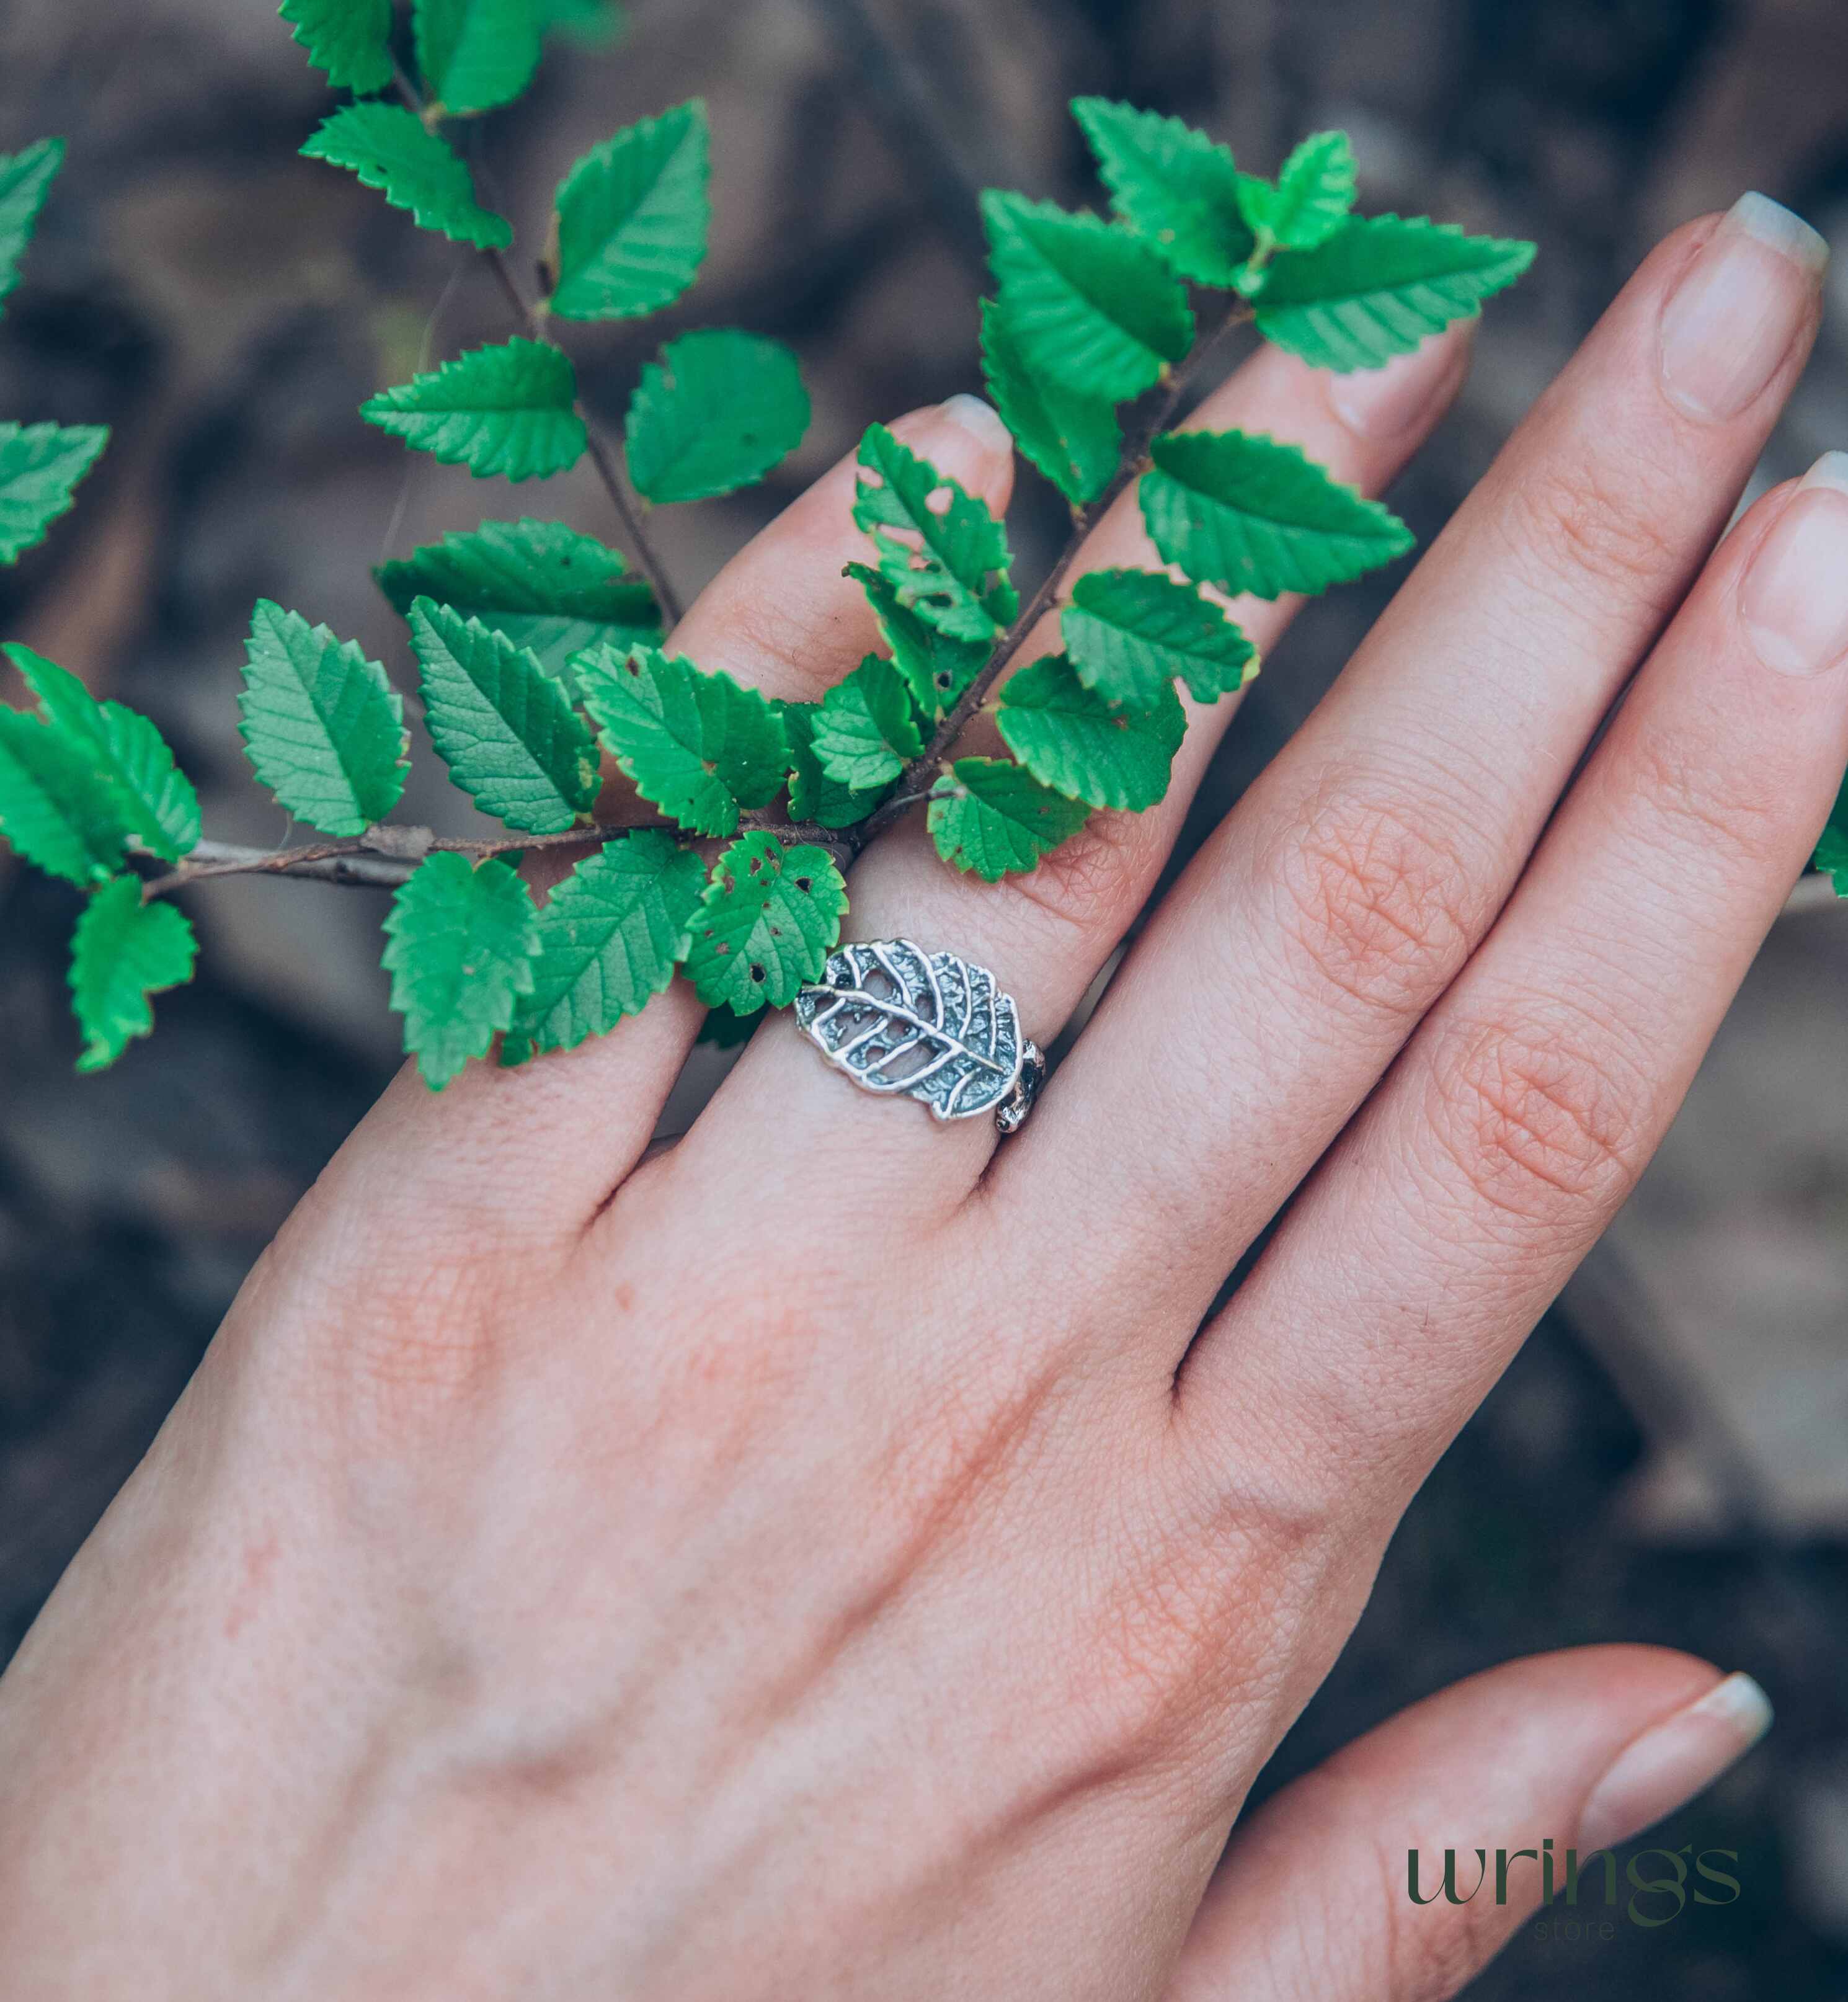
829	1557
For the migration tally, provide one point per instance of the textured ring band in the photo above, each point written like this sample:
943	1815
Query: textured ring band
900	1021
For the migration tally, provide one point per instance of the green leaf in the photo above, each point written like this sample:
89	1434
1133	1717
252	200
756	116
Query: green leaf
715	413
390	149
1091	307
1071	738
155	801
610	936
504	728
633	216
1171	184
1130	632
460	953
1243	511
943	553
1075	441
1378	287
26	178
122	951
541	583
323	727
57	810
935	667
1832	850
1313	196
865	731
696	744
814	795
39	466
350	40
475	55
507	410
996	819
765	925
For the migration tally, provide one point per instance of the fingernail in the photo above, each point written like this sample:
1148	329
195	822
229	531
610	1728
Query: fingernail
981	420
1730	320
1386	402
1793	597
1670	1764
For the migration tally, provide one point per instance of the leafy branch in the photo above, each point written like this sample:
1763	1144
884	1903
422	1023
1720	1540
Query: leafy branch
529	315
539	649
387	854
1132	464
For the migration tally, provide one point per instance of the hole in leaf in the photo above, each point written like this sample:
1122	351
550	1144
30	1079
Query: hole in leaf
805	883
938	499
757	974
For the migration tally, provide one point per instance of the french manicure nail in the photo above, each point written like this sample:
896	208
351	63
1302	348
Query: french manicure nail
1793	597
1654	1774
980	419
1730	320
1386	402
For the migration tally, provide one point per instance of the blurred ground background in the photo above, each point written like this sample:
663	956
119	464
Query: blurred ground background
1667	1460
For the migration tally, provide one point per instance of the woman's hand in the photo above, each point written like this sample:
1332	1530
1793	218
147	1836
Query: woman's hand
830	1557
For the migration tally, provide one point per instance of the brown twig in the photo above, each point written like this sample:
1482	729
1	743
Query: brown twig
532	319
915	781
384	856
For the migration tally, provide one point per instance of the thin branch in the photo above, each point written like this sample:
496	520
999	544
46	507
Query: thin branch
615	485
628	511
380	858
900	800
384	856
915	780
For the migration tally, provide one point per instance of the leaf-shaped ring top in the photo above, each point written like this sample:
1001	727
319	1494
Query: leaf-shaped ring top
930	1026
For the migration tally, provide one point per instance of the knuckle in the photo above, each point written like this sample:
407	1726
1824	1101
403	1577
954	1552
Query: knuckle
1162	1643
1705	801
1189	1620
1539	1126
763	637
1094	880
1578	524
426	1337
383	1337
1375	899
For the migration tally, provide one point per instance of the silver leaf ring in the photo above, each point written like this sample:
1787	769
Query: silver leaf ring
900	1021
